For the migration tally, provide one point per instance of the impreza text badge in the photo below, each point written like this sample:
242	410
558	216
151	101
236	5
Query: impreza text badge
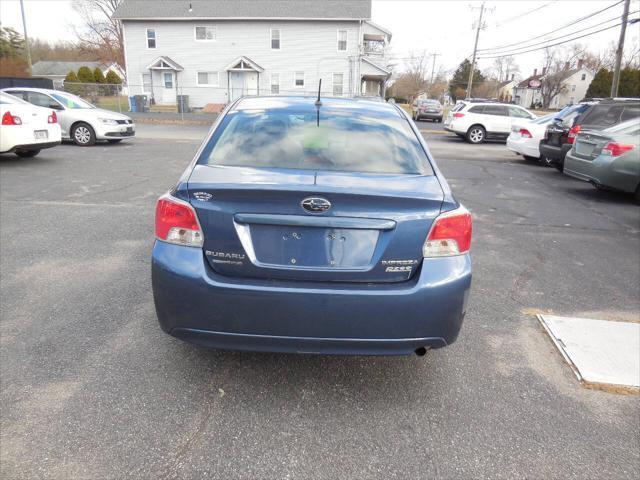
315	204
202	196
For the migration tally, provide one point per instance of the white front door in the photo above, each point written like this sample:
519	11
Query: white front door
243	83
168	87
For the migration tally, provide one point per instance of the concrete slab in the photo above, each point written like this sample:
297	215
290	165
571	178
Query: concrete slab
598	351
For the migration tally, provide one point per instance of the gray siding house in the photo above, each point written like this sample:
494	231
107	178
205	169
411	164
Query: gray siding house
215	51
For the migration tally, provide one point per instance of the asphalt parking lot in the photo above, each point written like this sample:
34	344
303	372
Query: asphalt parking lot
92	388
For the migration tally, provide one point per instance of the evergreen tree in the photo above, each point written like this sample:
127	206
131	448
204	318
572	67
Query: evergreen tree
85	75
113	78
98	76
600	86
629	85
458	83
71	77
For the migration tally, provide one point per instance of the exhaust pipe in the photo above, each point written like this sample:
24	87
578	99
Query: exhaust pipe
421	352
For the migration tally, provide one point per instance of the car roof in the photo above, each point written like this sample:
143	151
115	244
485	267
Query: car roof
307	103
501	104
30	89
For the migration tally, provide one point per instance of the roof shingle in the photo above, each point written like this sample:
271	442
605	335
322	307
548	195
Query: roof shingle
268	9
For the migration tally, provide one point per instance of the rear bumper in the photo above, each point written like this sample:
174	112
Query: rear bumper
554	153
603	170
522	147
197	305
429	115
32	146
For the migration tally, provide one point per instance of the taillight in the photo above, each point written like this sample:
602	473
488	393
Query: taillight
450	234
177	222
53	118
458	115
616	149
525	133
573	133
8	119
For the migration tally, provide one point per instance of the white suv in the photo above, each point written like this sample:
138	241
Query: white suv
480	121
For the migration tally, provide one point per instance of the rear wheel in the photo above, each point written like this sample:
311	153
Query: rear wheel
476	134
559	166
27	153
83	135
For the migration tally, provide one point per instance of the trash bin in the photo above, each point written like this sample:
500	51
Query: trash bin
141	103
132	104
183	103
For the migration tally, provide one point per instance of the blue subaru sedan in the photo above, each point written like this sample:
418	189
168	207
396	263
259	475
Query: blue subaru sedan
313	227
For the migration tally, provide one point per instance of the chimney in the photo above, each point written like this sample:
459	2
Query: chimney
544	70
512	75
566	65
580	62
535	72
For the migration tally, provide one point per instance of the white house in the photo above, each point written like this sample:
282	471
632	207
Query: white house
576	82
215	51
58	70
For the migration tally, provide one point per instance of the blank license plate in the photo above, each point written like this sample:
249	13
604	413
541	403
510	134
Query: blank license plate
40	134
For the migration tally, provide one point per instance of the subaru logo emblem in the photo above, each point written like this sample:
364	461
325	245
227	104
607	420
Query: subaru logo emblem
316	204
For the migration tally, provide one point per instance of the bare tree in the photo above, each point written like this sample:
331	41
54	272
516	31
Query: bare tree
414	80
101	34
503	68
557	62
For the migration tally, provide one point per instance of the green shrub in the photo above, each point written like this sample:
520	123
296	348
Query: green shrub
85	75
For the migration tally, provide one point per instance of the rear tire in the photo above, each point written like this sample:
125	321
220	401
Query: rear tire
529	158
559	166
476	134
83	134
27	153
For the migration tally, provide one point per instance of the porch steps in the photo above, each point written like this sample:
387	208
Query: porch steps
164	108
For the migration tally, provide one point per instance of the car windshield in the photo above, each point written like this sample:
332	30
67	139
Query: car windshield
71	101
5	98
341	140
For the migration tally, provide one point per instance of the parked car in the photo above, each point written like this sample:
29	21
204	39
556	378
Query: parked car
26	129
427	109
317	229
480	121
525	135
608	158
80	121
559	136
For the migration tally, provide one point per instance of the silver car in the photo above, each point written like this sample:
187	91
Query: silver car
79	120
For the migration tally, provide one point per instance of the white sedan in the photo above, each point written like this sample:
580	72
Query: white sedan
26	129
525	137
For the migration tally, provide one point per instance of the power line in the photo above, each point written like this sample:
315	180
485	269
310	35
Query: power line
516	50
520	15
565	41
552	31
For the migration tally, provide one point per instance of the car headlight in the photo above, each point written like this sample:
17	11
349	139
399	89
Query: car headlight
108	121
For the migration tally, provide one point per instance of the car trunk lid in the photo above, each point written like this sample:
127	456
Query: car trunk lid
254	224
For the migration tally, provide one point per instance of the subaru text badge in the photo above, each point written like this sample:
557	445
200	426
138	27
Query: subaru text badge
316	204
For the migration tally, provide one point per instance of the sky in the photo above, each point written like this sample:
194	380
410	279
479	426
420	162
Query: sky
432	26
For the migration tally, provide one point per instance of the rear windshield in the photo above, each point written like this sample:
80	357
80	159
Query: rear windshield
609	114
325	140
458	106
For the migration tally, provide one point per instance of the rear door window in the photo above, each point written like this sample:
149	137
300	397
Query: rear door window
496	110
331	140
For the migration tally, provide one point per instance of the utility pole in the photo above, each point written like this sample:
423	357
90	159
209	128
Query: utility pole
616	70
26	37
433	68
475	49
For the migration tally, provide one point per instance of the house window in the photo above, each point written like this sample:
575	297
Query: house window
573	88
583	77
146	82
151	38
338	79
207	79
275	39
298	79
206	33
168	80
275	83
342	40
